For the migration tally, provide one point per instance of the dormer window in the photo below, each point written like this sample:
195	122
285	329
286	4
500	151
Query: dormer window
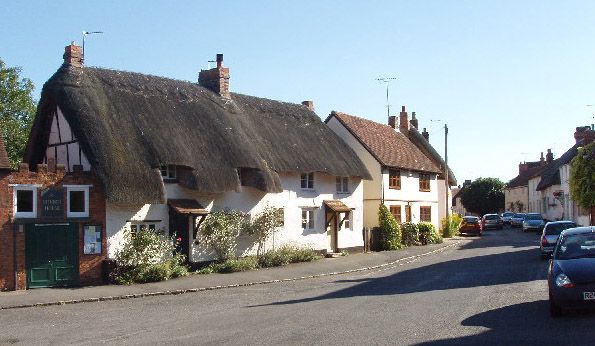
342	184
307	181
168	172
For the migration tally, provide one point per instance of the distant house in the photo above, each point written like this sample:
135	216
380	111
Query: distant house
457	203
166	152
404	177
545	184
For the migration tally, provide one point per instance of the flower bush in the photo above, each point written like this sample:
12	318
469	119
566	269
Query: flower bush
428	234
410	234
148	256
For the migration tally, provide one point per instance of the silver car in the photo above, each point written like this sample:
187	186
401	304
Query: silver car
533	222
506	216
550	234
517	220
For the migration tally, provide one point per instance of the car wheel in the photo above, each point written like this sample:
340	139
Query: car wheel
555	310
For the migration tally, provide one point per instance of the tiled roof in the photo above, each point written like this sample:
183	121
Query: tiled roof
551	175
523	178
4	162
390	147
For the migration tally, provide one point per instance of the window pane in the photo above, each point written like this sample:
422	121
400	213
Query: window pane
164	171
338	184
304	181
345	184
310	219
24	201
311	180
77	201
304	219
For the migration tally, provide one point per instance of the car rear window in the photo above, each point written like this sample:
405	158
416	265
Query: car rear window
576	246
519	216
507	214
470	219
533	217
492	217
557	228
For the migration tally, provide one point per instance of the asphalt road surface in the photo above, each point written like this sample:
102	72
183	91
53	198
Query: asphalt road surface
490	290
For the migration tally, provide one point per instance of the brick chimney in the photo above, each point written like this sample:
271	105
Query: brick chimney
309	105
413	121
549	157
523	167
73	55
403	121
216	79
541	160
392	121
426	135
584	133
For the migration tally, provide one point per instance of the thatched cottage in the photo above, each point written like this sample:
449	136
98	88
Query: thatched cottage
167	152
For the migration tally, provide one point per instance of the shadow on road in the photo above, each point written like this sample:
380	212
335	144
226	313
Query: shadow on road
526	323
487	270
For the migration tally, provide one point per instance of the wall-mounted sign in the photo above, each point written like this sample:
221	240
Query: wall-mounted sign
92	240
52	202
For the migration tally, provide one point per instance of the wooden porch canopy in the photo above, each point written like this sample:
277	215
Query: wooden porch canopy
337	206
187	206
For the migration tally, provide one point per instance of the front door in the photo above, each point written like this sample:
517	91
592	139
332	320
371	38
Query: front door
179	228
51	255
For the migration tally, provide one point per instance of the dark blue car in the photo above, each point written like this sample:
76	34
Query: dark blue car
571	275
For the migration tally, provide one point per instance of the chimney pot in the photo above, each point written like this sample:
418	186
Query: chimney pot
309	105
413	121
392	121
403	121
73	55
216	79
426	135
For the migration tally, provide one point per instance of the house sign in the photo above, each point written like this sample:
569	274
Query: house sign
52	203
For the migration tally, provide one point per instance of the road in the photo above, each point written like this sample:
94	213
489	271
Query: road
489	290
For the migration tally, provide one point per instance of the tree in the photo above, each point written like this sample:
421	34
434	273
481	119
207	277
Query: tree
389	228
582	176
17	111
484	195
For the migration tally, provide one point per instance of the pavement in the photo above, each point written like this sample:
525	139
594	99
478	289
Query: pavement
198	283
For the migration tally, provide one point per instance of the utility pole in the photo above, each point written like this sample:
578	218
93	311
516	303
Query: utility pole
446	168
386	80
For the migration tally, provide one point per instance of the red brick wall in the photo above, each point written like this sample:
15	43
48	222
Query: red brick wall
89	265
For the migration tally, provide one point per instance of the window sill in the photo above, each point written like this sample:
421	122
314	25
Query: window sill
343	193
394	188
425	190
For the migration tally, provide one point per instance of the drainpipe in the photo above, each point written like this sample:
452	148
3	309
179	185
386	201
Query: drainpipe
14	254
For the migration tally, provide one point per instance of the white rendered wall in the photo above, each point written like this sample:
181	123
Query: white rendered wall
512	195
251	200
535	202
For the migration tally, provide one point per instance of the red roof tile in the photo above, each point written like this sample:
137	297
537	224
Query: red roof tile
390	147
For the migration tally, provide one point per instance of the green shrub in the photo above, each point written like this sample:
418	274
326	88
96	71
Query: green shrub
428	234
410	234
220	231
285	255
450	225
390	232
237	265
149	256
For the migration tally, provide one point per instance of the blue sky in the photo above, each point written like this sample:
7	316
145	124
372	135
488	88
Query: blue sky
510	78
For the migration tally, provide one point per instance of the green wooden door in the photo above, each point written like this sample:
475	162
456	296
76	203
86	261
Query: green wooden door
51	255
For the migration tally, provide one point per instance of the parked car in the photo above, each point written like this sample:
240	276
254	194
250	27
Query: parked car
491	221
470	225
549	236
571	273
517	219
533	222
506	216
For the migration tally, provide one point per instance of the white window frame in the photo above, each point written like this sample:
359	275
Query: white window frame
308	218
342	184
24	187
309	179
348	222
83	188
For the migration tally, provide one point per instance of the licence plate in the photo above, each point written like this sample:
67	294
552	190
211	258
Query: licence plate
589	295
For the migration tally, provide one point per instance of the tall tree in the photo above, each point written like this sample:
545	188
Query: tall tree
582	176
484	195
17	111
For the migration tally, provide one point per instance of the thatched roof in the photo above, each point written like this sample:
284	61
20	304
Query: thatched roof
429	150
129	124
551	174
